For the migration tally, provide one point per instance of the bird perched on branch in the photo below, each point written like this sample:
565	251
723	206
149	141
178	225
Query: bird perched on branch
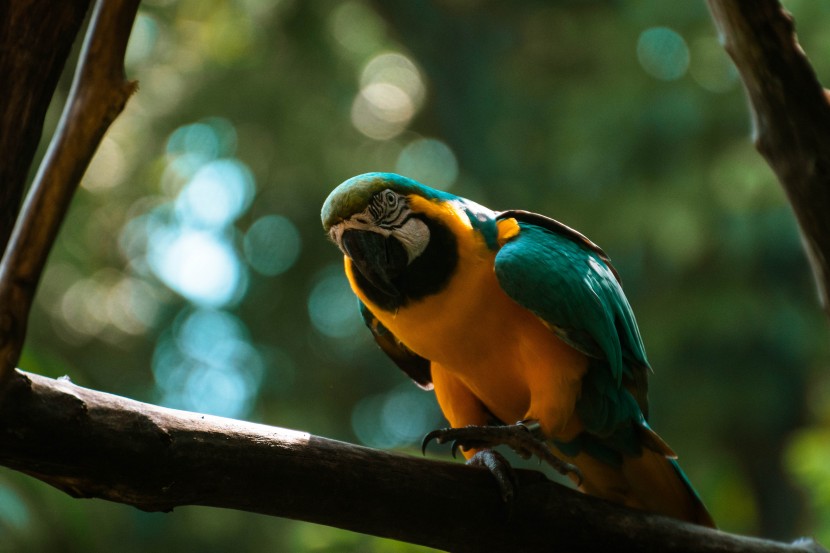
509	316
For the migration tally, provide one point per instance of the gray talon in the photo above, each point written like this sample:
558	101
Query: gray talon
524	437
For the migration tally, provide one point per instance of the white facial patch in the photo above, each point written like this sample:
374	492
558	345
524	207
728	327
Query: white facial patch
414	235
388	215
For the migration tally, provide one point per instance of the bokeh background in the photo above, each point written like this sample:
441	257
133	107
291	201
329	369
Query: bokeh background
192	271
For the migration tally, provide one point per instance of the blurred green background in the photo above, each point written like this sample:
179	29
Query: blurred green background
192	270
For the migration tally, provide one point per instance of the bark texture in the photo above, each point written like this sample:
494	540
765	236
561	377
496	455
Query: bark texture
92	444
98	95
790	114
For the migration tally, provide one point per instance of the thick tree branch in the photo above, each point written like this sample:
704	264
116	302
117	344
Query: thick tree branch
790	113
98	95
35	39
92	444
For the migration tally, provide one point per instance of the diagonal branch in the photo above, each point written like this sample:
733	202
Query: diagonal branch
92	444
790	113
98	95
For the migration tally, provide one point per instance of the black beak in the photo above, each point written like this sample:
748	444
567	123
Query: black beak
379	259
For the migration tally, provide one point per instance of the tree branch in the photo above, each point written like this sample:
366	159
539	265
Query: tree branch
35	39
92	444
790	113
98	95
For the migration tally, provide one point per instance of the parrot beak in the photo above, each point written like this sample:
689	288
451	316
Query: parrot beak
380	259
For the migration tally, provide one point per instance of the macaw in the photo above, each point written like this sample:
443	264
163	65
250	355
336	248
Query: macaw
509	316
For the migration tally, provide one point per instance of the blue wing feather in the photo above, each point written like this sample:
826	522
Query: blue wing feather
569	283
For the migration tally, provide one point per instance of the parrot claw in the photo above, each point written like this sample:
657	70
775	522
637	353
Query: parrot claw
434	435
524	437
501	470
442	436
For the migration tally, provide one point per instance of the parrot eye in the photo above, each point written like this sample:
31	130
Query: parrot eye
386	206
390	198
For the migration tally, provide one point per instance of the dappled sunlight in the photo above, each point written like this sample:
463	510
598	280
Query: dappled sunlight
201	266
254	431
332	305
108	168
142	41
209	139
391	92
429	161
206	363
711	67
132	305
109	300
272	245
400	417
13	510
190	243
395	69
663	53
356	28
382	111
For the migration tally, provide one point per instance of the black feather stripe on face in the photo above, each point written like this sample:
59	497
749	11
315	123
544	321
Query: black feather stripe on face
428	274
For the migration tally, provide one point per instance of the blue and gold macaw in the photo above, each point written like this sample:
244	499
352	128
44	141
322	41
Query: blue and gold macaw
509	316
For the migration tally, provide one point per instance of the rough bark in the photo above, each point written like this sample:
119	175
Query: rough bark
790	114
92	444
98	95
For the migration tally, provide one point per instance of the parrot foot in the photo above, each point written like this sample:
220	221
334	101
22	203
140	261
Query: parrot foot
524	437
501	470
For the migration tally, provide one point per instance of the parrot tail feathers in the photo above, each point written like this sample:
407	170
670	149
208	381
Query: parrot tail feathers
651	481
658	484
650	439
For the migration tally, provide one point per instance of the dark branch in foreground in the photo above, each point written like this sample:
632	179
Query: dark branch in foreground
98	95
35	39
791	115
92	444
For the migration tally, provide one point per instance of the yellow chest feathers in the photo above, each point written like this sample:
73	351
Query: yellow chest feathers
471	322
433	326
501	351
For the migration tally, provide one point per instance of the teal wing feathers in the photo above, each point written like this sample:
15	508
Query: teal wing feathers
418	368
569	283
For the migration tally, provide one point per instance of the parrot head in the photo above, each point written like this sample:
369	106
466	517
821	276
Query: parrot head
396	233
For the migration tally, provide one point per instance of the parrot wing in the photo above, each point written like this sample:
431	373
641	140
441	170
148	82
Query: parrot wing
418	368
569	283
